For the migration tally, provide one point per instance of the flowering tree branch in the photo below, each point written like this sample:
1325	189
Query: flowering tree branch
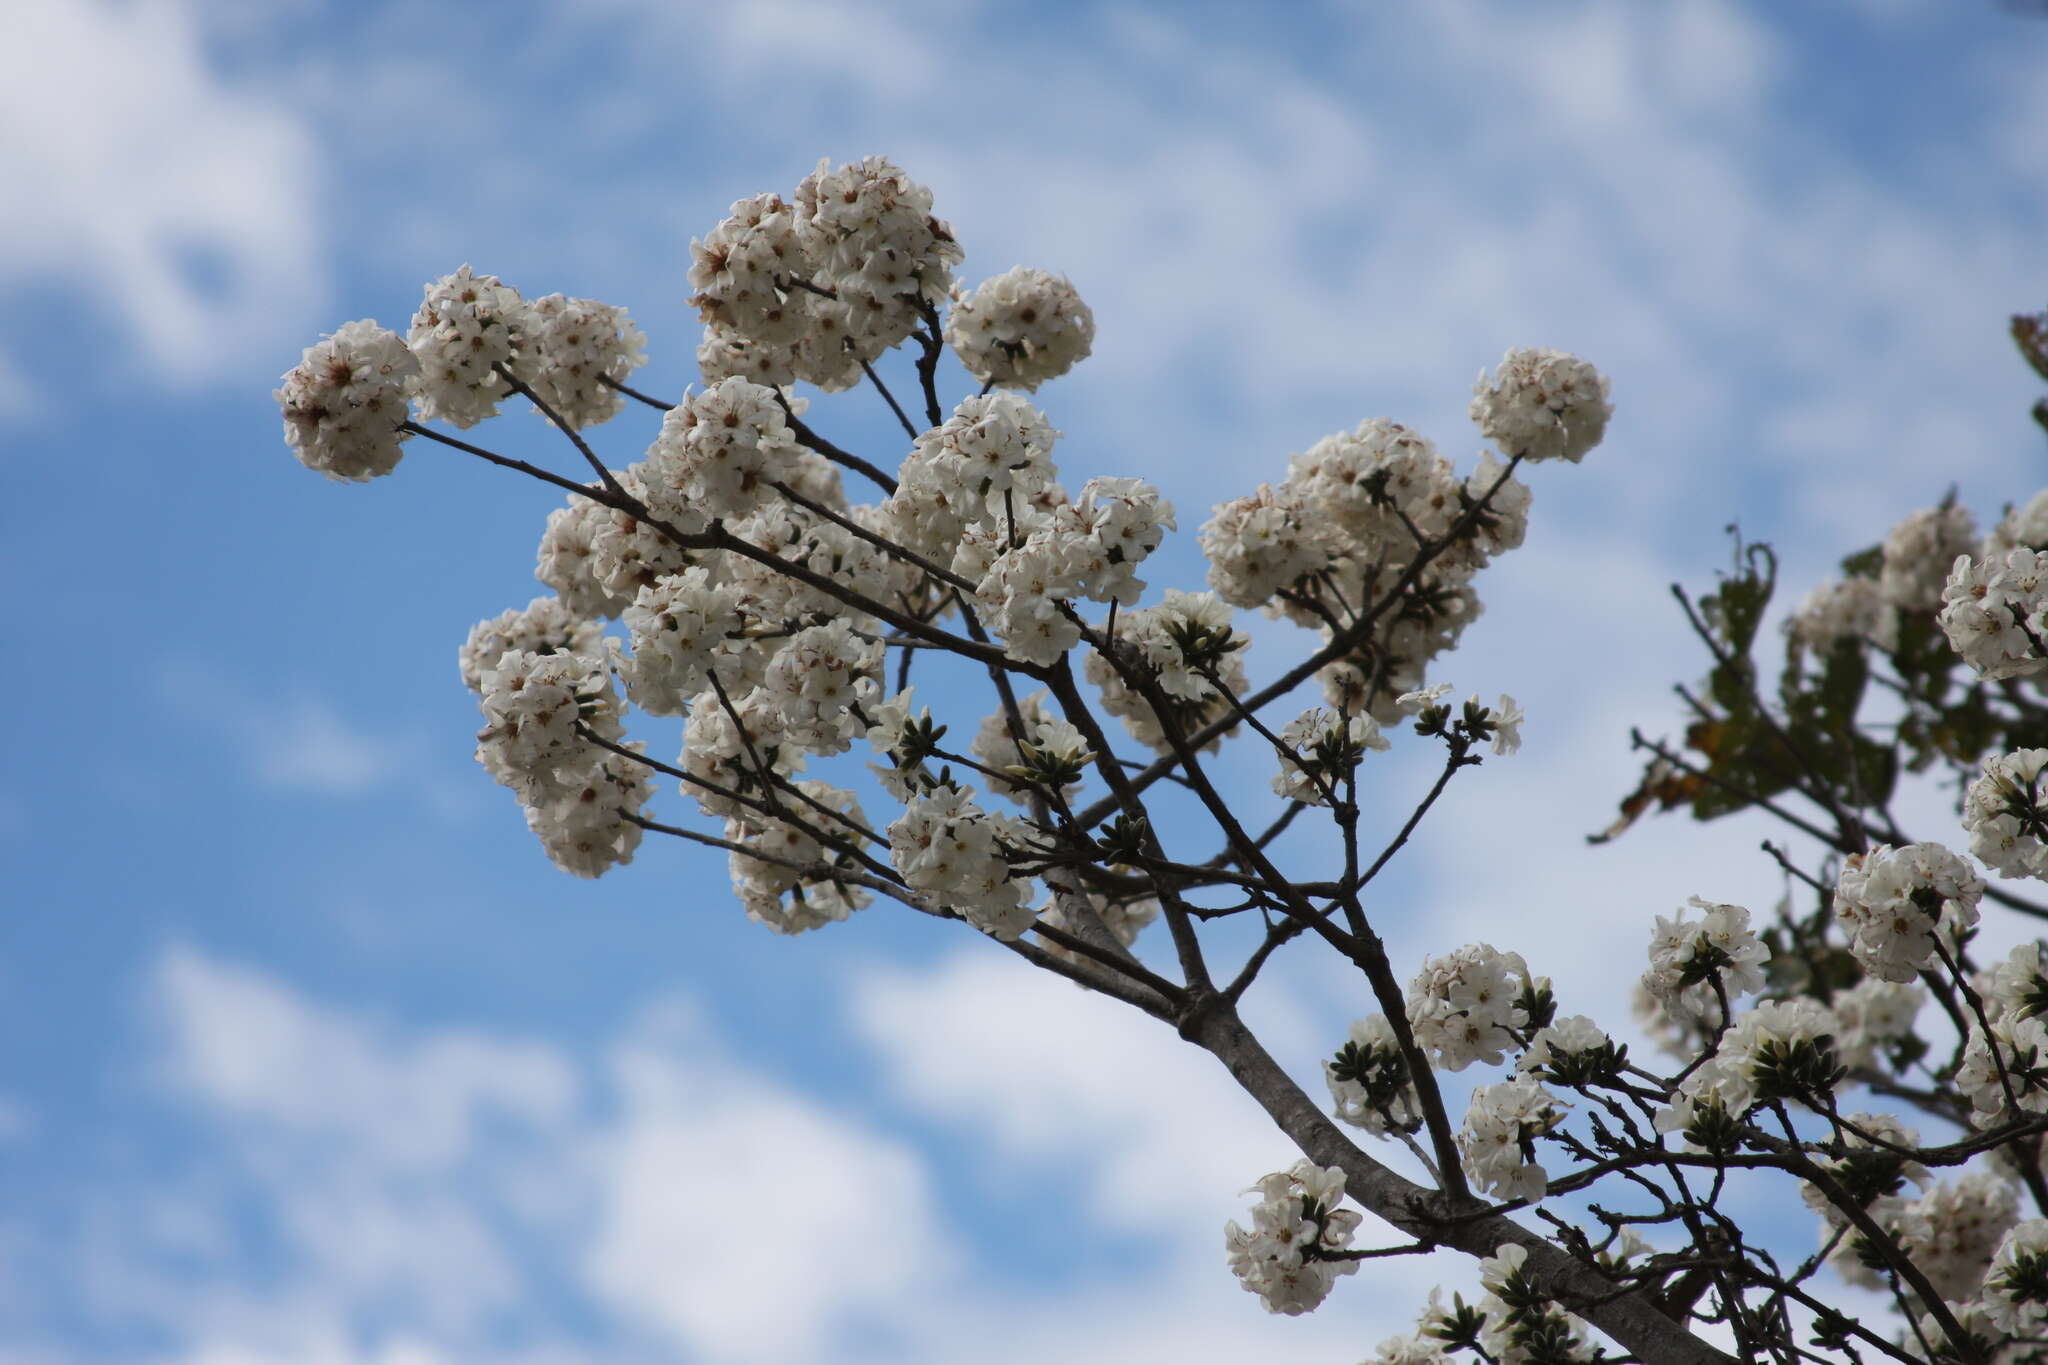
760	602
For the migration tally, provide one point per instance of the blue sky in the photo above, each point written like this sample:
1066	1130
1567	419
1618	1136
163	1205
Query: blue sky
312	1058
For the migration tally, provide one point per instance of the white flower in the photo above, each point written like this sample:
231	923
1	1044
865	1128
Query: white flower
345	401
468	326
1265	542
1544	405
1993	611
1920	551
543	626
1891	902
1020	328
1283	1256
1873	1176
2021	528
719	450
1422	697
532	705
1686	955
720	753
2018	986
1385	1099
783	898
571	347
2016	1290
2021	1056
1506	718
1774	1049
587	829
1462	1006
946	846
870	237
1872	1014
1320	748
812	683
1851	609
679	623
1556	1045
1501	1122
995	746
1176	641
1953	1231
2006	814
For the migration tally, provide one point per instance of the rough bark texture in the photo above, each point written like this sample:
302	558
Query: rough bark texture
1630	1318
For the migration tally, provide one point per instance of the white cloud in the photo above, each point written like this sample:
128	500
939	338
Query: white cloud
745	1221
1069	1081
300	743
249	1047
308	746
138	177
424	1188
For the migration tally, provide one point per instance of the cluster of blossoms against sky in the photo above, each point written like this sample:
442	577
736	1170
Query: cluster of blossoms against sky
761	602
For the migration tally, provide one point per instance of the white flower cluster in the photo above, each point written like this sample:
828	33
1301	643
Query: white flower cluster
465	334
1948	1230
1952	1231
809	289
2015	1055
585	831
1873	1014
1285	1256
813	682
1893	901
1265	542
998	749
1353	515
952	850
1020	328
2005	812
1995	613
1386	1100
1851	609
1542	405
777	888
1087	548
1562	1045
1408	1349
1502	1123
1920	551
532	706
1861	1154
984	466
2016	1290
1756	1060
543	626
1463	1006
719	450
1686	955
345	401
2019	984
570	348
680	625
1320	748
2021	528
1985	1339
730	754
577	796
1175	643
1518	1318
